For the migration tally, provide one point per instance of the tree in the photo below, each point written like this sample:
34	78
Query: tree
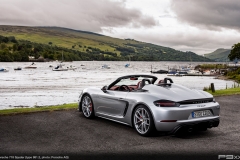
6	56
51	56
15	46
12	39
5	39
24	56
3	46
45	55
17	57
235	52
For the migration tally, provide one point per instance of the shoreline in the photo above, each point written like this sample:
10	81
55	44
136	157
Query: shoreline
226	78
223	78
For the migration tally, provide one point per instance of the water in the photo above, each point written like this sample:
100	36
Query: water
43	87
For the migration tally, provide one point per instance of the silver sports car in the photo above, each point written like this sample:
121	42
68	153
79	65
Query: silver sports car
146	104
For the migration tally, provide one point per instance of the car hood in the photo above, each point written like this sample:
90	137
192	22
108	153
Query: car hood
176	92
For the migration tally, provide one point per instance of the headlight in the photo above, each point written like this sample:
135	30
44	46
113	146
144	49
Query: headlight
166	103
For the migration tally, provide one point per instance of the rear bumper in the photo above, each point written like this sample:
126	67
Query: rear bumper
182	116
196	125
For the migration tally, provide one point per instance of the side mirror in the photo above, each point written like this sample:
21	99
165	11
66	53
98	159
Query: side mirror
104	89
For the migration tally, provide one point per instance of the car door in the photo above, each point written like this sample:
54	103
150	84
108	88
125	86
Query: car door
112	103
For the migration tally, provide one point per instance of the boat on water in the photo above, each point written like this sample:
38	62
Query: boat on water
194	72
105	66
178	73
18	68
127	65
160	72
183	71
32	66
172	71
60	68
4	70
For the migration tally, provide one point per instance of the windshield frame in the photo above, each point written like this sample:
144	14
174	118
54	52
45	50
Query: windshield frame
133	76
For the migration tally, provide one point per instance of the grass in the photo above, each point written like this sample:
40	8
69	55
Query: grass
67	38
235	75
63	39
213	66
219	54
224	92
39	109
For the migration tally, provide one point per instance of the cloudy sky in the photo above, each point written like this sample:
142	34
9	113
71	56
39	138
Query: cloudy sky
200	26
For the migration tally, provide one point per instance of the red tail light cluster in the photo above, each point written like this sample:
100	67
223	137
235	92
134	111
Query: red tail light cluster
166	103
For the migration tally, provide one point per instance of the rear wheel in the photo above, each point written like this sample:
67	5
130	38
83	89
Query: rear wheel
143	121
87	106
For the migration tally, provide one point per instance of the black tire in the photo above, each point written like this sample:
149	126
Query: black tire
143	121
87	106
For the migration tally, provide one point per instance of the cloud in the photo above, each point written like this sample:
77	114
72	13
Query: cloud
211	14
90	15
188	25
190	39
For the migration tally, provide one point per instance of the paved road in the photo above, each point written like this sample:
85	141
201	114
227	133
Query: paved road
69	133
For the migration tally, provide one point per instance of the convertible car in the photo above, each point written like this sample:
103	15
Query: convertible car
148	104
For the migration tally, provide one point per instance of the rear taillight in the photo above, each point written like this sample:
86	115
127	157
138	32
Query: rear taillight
166	103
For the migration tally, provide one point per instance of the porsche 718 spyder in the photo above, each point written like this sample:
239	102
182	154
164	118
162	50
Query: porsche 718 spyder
147	105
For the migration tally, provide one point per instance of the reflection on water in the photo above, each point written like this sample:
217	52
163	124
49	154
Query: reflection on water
42	86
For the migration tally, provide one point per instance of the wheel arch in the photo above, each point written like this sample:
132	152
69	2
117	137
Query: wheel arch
139	104
80	100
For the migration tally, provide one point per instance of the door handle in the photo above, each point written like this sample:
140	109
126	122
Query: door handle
120	99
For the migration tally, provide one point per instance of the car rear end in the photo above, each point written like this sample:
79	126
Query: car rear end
190	115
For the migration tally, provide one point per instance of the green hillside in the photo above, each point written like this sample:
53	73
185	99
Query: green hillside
220	55
51	41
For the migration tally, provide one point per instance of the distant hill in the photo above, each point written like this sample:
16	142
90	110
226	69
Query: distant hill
92	46
220	55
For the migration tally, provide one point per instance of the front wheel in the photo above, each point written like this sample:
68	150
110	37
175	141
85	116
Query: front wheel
143	121
87	106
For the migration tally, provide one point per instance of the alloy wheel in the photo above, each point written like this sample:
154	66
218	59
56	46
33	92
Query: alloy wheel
142	120
87	106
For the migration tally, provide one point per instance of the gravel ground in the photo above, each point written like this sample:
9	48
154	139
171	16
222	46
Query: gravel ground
68	133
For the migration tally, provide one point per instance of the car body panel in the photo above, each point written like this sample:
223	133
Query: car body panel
119	105
111	103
